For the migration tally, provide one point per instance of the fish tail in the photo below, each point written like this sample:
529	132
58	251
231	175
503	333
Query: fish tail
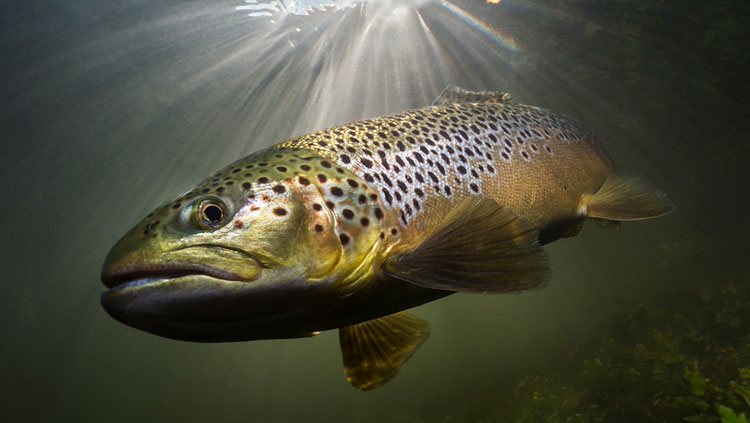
625	198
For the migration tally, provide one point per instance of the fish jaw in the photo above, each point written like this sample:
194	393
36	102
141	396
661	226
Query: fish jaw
204	292
203	308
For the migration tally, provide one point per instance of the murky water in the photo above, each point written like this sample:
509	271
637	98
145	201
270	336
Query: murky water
108	108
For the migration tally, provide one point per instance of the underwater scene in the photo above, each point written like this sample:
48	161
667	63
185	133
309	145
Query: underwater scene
375	211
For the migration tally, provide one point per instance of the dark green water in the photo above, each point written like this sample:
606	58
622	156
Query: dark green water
107	108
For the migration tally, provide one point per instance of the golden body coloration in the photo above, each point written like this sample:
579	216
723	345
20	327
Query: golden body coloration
347	227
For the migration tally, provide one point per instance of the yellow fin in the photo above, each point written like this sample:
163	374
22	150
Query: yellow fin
478	247
624	198
374	351
453	94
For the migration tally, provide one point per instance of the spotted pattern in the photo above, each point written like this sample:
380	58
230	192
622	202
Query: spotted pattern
261	178
441	150
376	175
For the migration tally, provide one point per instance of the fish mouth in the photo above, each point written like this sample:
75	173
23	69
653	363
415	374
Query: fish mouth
143	274
201	304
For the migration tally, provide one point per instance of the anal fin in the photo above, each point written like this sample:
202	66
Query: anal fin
573	230
478	247
624	198
374	351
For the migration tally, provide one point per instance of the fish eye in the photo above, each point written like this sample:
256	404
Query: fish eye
210	213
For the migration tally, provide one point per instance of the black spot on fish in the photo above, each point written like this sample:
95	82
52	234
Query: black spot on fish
440	168
388	196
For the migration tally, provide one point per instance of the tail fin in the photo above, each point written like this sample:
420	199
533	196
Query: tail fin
624	198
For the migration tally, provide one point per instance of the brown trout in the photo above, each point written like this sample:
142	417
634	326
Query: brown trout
347	227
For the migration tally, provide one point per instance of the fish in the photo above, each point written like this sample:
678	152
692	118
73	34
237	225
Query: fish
347	228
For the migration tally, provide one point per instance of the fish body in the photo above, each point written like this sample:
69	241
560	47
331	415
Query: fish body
346	227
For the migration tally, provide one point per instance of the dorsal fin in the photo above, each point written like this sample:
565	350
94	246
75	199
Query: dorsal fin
453	94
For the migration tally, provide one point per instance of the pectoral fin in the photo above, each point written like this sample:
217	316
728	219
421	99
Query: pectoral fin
479	247
624	198
374	351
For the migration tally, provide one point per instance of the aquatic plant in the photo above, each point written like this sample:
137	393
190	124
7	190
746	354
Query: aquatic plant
685	362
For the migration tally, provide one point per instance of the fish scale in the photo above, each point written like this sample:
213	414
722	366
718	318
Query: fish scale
505	151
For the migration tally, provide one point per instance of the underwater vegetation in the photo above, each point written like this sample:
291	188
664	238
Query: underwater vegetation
684	362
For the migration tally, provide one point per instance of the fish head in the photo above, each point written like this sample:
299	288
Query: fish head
252	252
